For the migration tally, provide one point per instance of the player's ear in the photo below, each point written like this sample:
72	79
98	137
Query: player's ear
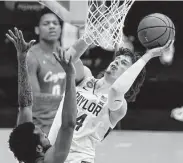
39	149
36	30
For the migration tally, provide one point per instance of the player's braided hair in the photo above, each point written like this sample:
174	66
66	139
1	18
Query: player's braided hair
23	142
130	96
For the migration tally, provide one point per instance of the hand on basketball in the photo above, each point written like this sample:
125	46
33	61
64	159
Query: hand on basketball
167	57
160	51
17	39
67	65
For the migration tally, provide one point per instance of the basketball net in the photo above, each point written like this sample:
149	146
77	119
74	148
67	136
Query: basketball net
105	23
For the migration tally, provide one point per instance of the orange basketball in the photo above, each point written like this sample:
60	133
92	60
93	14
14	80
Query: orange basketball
155	30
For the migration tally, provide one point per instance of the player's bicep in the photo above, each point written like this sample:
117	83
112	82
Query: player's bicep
33	65
82	71
60	149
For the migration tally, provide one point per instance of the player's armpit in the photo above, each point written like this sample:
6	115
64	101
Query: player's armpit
117	115
59	151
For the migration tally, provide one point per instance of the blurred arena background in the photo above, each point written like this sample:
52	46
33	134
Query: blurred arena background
147	133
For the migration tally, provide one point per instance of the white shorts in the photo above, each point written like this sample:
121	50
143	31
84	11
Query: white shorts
79	158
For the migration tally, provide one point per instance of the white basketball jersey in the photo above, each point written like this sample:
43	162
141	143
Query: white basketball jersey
92	122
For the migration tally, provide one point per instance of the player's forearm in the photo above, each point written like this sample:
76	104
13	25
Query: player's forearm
69	111
55	7
125	81
78	49
25	98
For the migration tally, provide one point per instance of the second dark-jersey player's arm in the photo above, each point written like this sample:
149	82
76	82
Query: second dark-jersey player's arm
59	151
25	98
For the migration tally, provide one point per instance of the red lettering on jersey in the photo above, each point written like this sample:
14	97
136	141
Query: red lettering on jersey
101	103
50	77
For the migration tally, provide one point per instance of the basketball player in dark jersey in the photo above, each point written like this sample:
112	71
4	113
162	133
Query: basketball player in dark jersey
46	74
47	78
27	141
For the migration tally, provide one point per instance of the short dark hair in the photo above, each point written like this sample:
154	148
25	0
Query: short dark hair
43	12
131	95
23	142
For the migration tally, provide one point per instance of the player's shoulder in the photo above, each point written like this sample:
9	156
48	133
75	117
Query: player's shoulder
34	49
32	54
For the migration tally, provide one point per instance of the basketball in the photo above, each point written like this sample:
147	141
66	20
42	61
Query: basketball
155	30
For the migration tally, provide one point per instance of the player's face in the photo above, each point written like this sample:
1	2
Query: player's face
44	141
49	27
118	66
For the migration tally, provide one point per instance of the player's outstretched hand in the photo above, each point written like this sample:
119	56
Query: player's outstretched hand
17	39
67	65
160	51
177	114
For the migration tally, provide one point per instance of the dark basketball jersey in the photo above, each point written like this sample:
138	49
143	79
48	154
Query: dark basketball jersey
51	78
51	75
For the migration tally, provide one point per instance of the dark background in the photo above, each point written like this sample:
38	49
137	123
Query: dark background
161	92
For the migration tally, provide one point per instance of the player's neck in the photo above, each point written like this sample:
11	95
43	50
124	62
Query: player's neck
103	86
48	47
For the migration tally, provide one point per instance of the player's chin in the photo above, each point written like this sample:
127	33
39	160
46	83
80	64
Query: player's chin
108	73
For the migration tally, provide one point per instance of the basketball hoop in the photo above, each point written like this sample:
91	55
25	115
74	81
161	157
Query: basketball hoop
105	23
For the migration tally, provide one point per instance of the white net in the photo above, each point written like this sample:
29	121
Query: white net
105	22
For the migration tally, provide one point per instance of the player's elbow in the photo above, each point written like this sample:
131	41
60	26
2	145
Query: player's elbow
115	91
123	111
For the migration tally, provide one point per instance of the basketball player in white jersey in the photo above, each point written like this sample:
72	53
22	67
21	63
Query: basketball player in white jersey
102	103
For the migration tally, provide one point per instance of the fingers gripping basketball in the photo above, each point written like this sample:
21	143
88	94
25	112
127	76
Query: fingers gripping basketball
155	30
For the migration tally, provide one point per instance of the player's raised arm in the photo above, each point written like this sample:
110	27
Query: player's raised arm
117	103
60	149
125	81
55	6
24	88
129	76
